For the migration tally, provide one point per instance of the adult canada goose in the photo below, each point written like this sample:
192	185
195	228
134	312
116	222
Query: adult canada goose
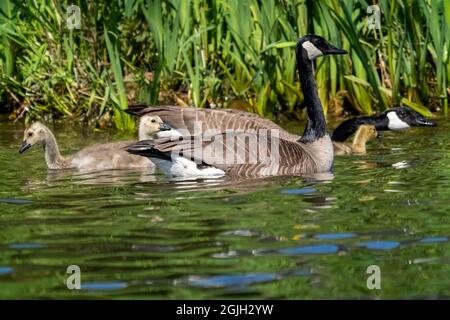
393	119
97	157
365	133
310	153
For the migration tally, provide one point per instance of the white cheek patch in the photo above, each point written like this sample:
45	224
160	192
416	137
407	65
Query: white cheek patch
395	123
312	50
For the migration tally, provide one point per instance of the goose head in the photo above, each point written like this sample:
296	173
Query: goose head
34	134
313	46
404	117
150	125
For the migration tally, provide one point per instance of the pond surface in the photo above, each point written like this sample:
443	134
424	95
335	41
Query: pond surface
136	235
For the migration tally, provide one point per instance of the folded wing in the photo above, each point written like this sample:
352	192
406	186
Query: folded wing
235	152
194	121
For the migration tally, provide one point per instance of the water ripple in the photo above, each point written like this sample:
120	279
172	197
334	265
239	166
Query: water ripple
312	249
299	191
103	285
379	245
334	236
15	201
5	270
22	246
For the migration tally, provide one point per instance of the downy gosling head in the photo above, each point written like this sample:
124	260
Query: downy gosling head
364	134
150	125
34	134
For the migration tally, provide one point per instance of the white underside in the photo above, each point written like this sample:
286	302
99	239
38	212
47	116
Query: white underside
182	167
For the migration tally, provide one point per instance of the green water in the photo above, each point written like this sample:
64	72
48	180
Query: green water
136	235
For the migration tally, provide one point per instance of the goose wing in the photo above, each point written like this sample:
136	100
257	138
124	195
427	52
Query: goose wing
194	121
236	153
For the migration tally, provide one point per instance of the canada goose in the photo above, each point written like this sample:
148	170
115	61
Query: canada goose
365	133
97	157
311	153
393	119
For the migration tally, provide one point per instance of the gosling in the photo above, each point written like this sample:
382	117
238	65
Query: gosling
364	134
106	156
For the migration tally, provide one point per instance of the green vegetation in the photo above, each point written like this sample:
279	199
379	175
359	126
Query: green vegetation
213	53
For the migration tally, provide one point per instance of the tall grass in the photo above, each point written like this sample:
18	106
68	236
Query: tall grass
217	53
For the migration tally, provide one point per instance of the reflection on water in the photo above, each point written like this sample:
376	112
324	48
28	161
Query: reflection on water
57	178
136	234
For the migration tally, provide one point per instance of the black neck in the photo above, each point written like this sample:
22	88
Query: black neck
348	127
316	125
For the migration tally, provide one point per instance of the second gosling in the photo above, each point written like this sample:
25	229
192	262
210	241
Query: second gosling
106	156
364	134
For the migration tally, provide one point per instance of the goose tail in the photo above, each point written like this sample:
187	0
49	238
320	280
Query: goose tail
147	148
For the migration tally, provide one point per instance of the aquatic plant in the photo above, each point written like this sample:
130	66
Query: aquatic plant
218	53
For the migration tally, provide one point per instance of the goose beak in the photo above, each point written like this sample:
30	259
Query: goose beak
422	122
164	127
333	50
24	146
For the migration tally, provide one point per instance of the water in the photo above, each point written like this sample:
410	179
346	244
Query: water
136	235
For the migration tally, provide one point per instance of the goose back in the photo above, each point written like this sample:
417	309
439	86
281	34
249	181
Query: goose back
316	156
186	119
240	154
107	156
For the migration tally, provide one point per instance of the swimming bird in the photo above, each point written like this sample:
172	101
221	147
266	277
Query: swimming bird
365	133
287	154
97	157
397	118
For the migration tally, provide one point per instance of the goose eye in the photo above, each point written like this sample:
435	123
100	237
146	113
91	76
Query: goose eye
317	41
30	134
153	120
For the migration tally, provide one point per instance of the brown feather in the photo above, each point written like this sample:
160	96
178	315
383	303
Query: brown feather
213	119
245	158
294	157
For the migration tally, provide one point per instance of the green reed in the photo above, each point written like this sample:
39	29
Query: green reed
218	53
